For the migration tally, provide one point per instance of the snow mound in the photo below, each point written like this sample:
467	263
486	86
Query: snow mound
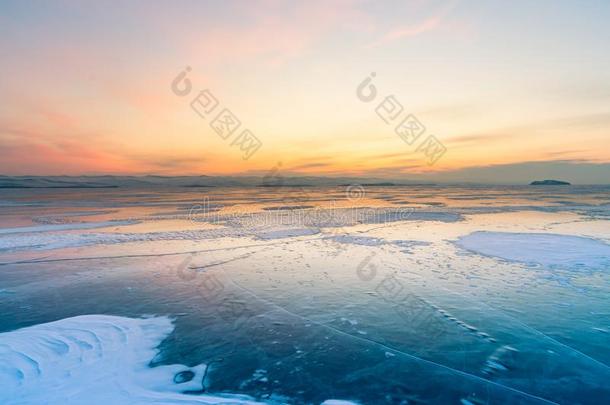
551	250
96	359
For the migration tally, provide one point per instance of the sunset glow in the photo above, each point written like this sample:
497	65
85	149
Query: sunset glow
87	85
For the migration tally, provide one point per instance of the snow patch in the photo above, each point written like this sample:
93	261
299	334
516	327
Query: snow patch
96	359
546	249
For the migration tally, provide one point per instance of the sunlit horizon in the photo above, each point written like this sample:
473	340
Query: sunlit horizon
89	87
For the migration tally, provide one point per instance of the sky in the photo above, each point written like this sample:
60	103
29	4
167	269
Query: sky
503	87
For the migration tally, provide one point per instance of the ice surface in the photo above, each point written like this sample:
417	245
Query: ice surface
358	240
541	248
100	359
63	227
359	300
286	233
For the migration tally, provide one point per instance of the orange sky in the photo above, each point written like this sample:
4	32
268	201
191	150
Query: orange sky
87	88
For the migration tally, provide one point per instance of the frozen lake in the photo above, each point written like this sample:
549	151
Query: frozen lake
392	295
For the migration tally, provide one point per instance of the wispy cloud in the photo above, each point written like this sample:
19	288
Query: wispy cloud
313	165
414	29
489	137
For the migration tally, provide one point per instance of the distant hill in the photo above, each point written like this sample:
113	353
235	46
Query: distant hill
12	182
549	183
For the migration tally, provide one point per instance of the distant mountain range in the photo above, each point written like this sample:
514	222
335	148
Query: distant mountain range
507	174
187	181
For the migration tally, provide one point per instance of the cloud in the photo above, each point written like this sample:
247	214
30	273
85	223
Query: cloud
428	24
582	122
574	171
481	138
312	165
410	31
566	152
597	120
268	32
61	157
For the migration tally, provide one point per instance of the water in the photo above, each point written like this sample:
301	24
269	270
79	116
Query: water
392	295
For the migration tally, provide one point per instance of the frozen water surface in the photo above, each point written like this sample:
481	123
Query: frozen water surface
414	294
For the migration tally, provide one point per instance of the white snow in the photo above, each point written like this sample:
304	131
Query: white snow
95	359
540	248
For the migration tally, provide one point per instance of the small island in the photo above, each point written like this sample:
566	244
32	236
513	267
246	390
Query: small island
549	183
